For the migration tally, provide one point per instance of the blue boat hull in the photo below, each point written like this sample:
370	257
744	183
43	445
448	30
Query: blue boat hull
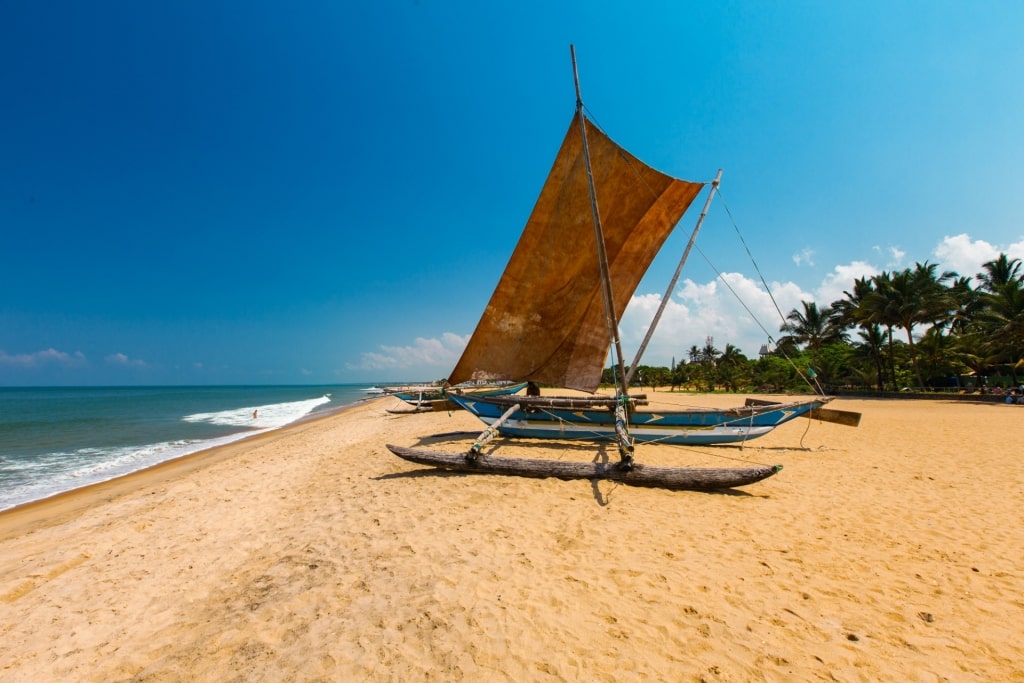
689	427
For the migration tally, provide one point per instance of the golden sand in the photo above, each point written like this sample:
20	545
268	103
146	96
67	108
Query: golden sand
889	552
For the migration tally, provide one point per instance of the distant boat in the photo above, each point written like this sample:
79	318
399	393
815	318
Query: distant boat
601	218
440	399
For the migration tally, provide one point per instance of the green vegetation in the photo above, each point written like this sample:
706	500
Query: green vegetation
914	329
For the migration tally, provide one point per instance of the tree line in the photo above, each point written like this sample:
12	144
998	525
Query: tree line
910	329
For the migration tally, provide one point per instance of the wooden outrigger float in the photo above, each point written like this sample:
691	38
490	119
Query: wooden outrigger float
676	478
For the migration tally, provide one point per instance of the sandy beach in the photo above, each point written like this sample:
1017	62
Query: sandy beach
887	552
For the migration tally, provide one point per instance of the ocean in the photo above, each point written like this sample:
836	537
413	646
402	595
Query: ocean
55	439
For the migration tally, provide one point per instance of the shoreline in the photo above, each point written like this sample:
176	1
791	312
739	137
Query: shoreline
889	551
59	507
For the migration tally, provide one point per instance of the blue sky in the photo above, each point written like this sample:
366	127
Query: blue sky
249	192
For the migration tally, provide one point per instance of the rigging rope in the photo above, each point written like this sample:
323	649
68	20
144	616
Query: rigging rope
811	381
747	249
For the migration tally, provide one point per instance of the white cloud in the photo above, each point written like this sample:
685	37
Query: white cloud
965	256
436	355
40	358
732	310
699	310
121	360
804	256
841	280
894	256
710	309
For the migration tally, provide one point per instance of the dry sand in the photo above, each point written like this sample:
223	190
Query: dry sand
889	552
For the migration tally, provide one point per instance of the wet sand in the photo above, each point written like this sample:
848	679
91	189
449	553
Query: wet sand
891	551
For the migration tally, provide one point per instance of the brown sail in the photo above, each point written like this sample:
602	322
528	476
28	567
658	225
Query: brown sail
545	321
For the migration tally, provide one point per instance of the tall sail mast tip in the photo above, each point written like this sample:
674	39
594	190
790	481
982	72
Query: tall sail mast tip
576	77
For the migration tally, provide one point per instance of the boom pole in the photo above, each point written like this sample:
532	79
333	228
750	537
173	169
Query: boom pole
675	279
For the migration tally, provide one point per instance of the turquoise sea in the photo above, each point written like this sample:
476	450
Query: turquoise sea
56	439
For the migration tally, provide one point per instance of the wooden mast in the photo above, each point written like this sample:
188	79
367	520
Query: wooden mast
624	442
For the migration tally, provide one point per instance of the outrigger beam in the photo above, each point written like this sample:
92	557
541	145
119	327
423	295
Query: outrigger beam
625	442
569	402
844	417
489	433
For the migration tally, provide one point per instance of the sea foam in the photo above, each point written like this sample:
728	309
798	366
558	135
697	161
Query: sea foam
28	479
269	416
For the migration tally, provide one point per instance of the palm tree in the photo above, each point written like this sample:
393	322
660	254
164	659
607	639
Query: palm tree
994	318
940	354
876	308
847	311
998	272
709	353
909	298
870	349
730	367
813	328
703	361
1003	321
968	304
694	354
854	311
